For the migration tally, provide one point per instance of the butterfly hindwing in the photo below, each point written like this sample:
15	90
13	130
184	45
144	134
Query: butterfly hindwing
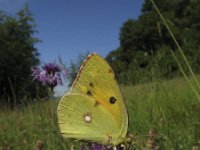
80	119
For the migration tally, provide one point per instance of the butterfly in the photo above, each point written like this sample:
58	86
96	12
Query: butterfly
94	109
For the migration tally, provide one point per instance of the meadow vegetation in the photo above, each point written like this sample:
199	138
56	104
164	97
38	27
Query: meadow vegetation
167	108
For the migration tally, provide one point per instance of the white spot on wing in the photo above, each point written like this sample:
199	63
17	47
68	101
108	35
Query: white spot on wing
88	118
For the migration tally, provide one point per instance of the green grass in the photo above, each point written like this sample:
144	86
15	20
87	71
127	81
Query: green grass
22	128
169	108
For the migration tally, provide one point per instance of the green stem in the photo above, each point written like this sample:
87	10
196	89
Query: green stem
180	50
186	77
12	90
52	114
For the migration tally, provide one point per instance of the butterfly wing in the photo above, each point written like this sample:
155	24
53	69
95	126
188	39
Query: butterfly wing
96	81
79	118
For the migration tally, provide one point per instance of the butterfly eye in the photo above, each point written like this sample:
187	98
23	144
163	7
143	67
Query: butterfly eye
112	100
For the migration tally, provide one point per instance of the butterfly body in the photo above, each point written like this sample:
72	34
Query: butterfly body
94	110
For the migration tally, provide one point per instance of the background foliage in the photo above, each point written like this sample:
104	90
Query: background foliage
17	56
145	44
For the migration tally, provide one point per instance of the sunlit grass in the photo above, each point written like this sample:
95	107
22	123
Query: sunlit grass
169	108
23	127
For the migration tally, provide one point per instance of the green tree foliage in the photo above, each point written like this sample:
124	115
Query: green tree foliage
145	43
17	56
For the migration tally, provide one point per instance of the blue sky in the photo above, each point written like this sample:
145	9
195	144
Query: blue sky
68	28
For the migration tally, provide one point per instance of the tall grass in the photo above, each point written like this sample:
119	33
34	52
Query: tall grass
23	127
194	85
169	108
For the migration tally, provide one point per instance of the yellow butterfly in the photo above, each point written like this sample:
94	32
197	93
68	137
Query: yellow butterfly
94	109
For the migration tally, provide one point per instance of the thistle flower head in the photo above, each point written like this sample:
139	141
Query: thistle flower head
50	74
96	146
51	68
128	143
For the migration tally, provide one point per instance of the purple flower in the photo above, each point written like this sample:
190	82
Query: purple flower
83	147
50	74
96	146
51	68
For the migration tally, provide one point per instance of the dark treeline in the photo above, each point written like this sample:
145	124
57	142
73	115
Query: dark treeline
17	56
145	43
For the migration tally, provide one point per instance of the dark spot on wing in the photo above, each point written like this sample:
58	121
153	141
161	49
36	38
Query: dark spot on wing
91	84
89	93
96	103
112	100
